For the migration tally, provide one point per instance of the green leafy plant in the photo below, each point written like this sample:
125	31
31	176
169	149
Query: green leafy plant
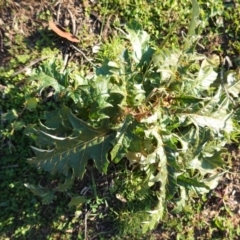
164	110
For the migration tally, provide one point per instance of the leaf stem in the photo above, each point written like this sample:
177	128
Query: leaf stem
94	186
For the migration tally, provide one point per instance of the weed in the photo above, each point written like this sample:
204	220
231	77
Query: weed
155	109
168	109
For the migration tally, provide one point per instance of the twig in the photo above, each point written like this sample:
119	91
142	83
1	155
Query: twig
77	49
85	223
59	3
100	234
120	30
1	40
29	65
106	27
10	166
66	58
77	30
73	22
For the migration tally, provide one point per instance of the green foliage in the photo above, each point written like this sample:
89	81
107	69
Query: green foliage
50	76
164	110
73	151
110	50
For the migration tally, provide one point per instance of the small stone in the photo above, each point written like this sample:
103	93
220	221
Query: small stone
1	22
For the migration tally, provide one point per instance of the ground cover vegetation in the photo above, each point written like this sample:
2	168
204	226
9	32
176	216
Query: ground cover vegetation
128	130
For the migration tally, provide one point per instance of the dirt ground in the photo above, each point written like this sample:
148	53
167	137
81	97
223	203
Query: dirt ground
27	18
30	19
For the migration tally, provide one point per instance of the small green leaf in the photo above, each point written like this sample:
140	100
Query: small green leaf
31	103
190	182
194	18
47	195
139	40
18	125
191	37
206	75
233	85
10	115
69	180
207	162
77	201
213	123
48	74
79	81
122	140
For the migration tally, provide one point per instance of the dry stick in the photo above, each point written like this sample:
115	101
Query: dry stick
56	3
100	234
1	41
10	166
106	27
66	57
85	230
77	30
29	65
120	30
73	22
77	49
59	3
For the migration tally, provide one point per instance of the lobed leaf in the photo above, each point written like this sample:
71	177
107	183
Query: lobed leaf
73	152
139	40
48	74
122	140
47	195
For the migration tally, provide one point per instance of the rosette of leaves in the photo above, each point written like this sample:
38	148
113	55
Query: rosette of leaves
163	110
